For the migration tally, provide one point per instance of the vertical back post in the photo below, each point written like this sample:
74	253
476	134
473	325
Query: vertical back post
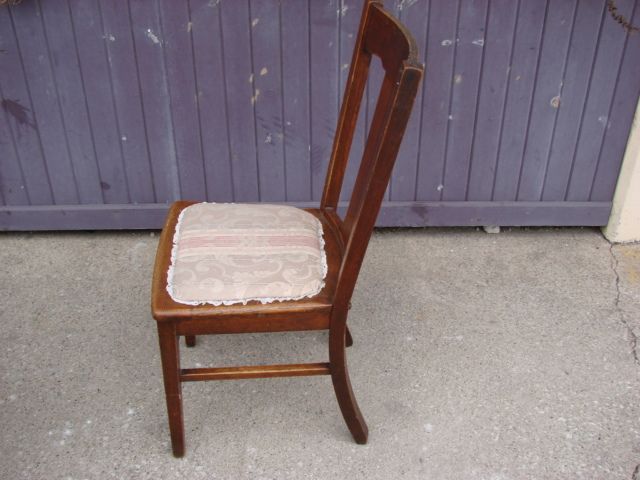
382	35
354	90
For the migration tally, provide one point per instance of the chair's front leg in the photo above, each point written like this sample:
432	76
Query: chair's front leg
341	383
170	355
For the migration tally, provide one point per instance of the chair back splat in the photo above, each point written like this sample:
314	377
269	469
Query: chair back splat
238	268
382	35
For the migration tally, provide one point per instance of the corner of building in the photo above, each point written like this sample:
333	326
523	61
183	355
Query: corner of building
624	222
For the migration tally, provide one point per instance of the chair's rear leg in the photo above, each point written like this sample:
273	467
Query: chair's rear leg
349	338
170	355
190	340
342	385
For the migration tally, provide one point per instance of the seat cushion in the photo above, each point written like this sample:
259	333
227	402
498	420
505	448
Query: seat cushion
235	253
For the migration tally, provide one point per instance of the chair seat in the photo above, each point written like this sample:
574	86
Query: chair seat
313	309
224	254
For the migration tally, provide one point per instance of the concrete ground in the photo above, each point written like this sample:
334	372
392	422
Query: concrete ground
476	356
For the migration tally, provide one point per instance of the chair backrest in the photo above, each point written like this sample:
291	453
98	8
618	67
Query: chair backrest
379	34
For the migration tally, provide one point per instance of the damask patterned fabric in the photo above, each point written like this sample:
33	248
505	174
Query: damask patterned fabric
234	253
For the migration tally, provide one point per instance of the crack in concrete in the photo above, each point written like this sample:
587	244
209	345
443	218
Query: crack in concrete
633	338
636	473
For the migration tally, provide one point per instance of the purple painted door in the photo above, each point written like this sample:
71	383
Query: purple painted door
113	109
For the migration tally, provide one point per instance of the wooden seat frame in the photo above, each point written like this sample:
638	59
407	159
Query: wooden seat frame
346	240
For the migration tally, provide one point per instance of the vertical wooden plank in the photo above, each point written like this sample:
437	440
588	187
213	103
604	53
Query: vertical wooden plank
324	87
403	181
48	119
595	119
498	45
87	24
13	115
127	100
175	36
207	46
621	117
144	79
546	97
348	15
588	21
17	107
148	51
515	122
268	109
241	97
29	170
12	184
440	55
71	96
464	97
296	98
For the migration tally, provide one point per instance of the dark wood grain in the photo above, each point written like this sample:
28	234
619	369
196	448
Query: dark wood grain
346	241
254	371
170	356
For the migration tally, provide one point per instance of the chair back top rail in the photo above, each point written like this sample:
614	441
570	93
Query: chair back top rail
382	35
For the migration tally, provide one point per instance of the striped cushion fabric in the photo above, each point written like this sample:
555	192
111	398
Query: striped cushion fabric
234	253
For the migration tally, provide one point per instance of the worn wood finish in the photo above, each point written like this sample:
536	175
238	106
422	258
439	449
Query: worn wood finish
346	241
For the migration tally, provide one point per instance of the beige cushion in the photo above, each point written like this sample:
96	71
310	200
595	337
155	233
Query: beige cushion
234	253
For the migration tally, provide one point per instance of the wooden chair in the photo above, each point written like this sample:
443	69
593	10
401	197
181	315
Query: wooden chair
346	240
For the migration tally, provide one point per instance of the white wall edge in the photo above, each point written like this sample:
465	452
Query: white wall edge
624	222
